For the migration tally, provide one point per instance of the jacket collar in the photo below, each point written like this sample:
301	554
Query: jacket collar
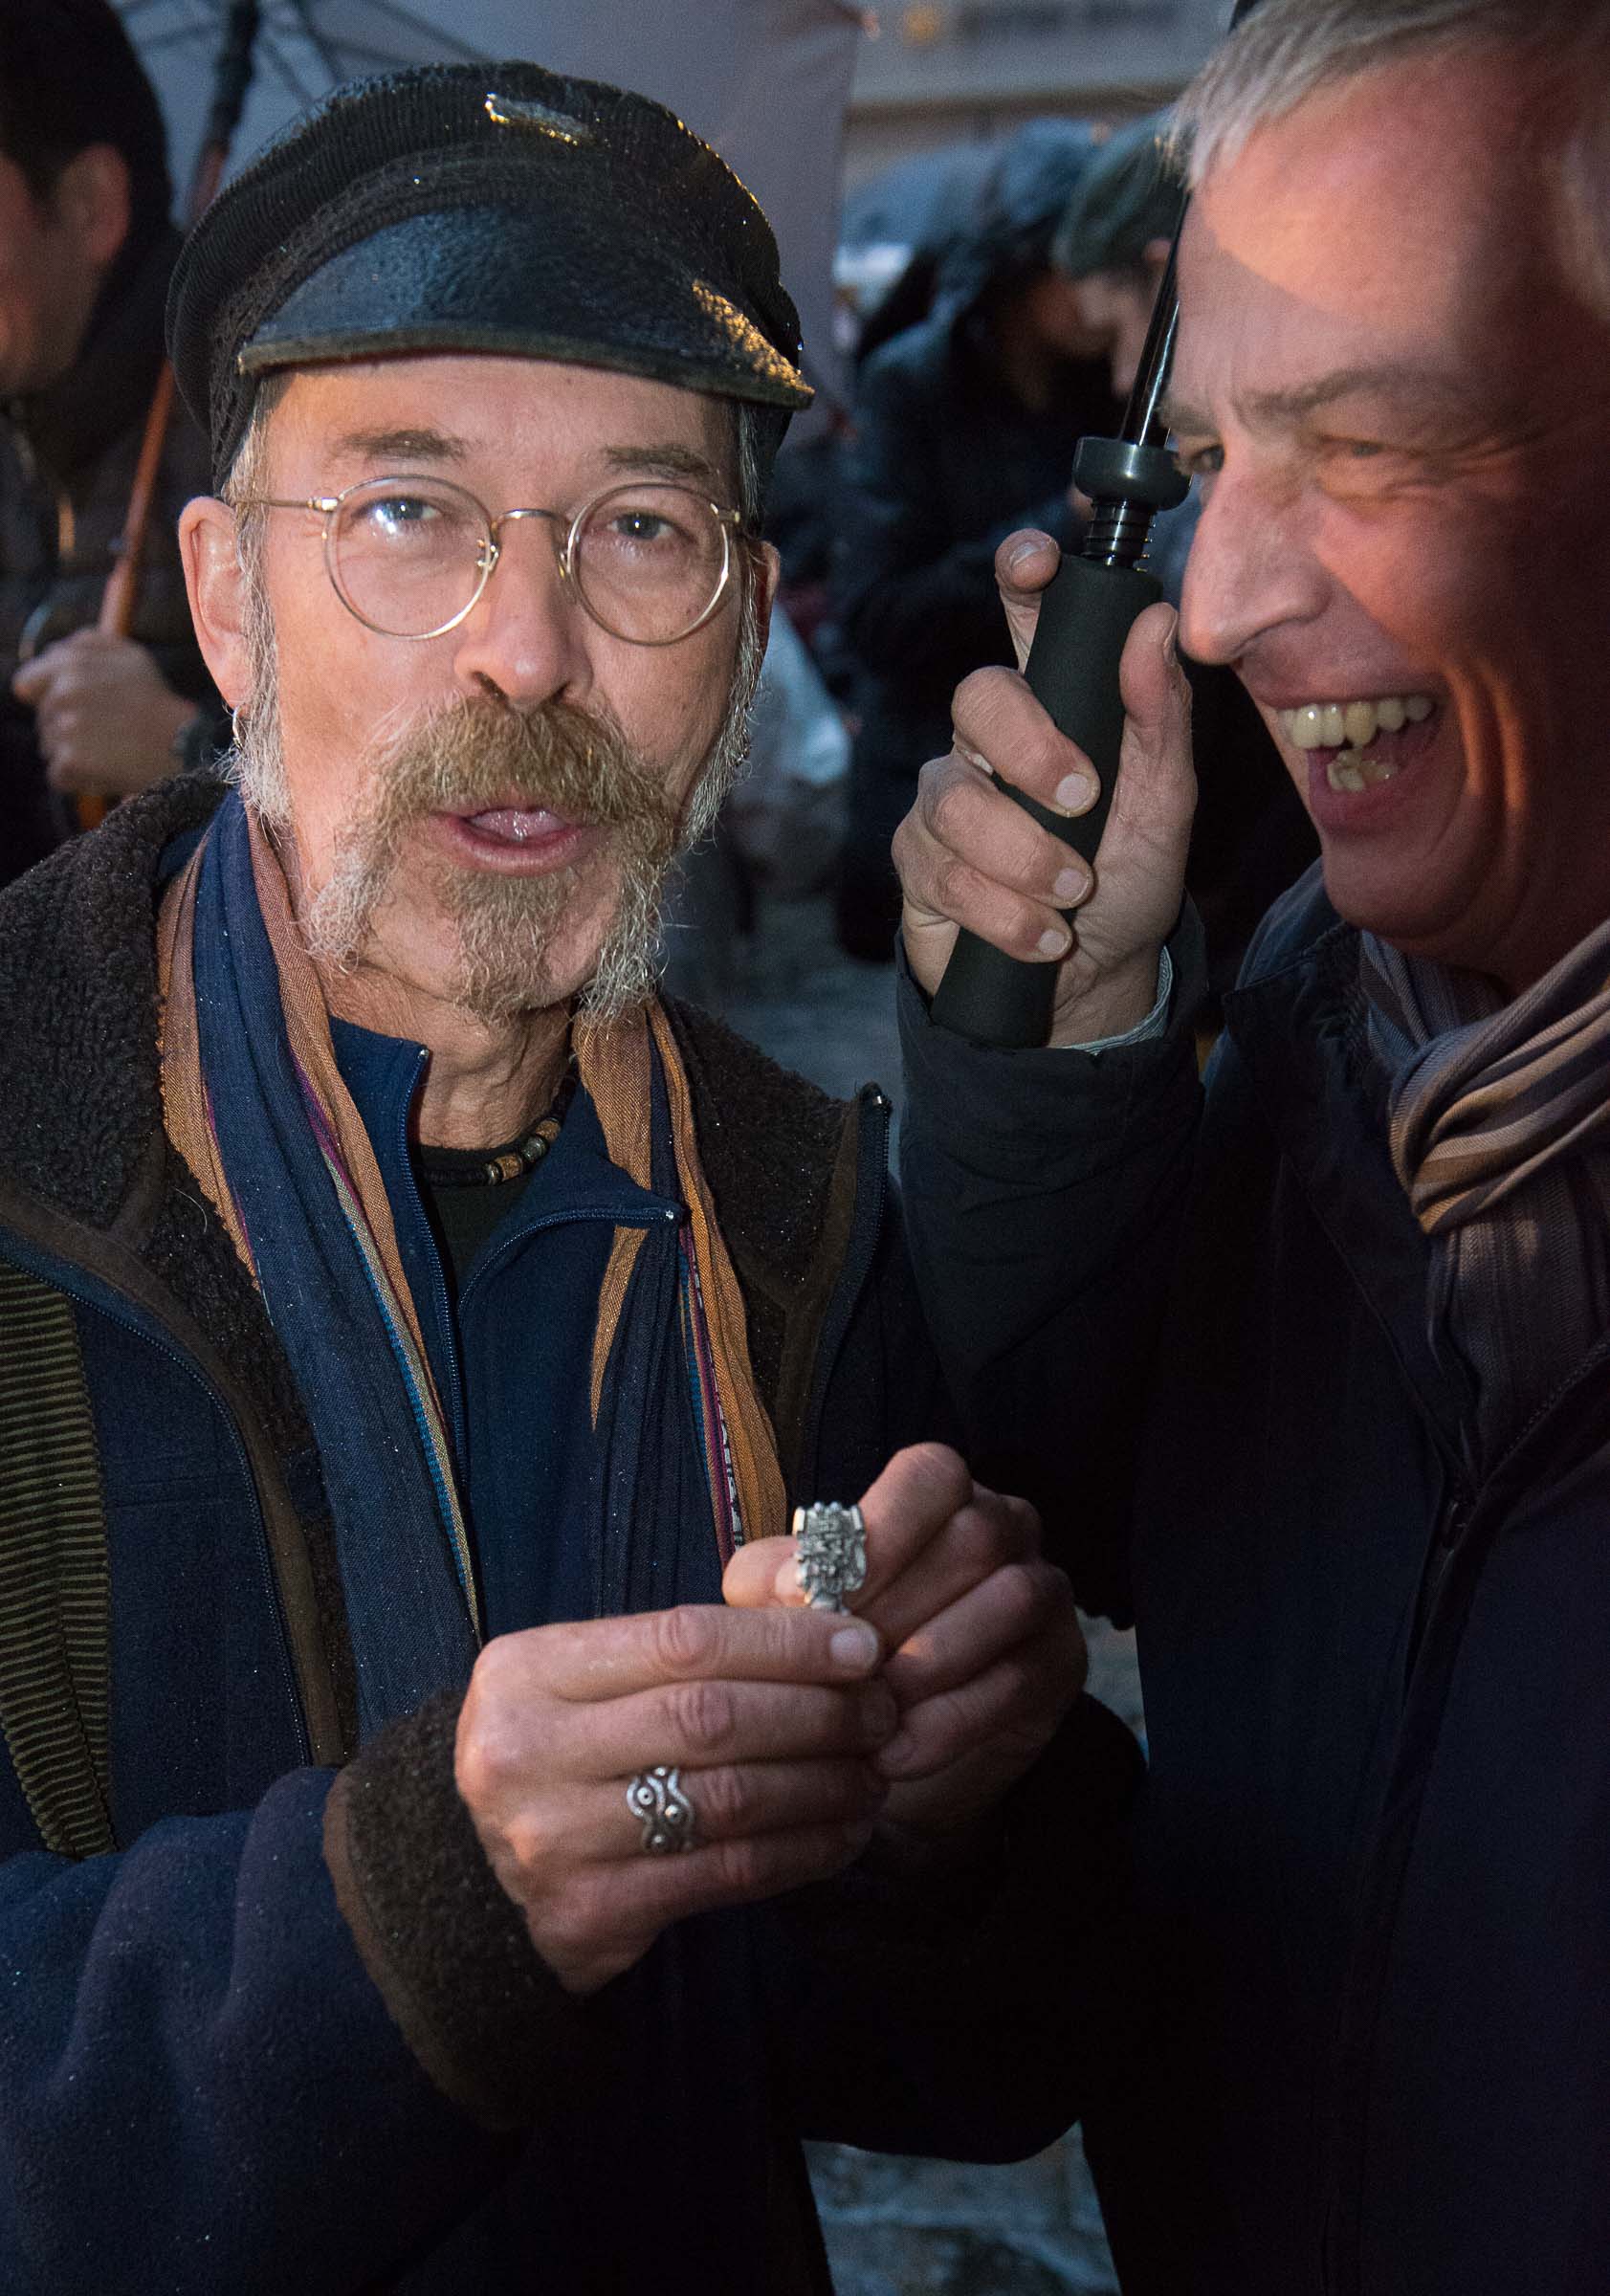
80	1111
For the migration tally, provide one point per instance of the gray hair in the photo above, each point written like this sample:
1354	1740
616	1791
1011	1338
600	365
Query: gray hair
1287	50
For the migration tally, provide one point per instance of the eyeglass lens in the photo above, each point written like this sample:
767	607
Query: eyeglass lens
408	557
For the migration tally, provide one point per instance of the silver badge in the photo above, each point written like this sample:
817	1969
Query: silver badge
832	1557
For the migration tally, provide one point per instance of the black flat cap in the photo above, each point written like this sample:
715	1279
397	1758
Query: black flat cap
484	207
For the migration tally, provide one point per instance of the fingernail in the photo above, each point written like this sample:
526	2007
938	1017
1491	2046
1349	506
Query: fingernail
1054	943
897	1755
1071	884
1029	548
1171	643
1074	792
854	1649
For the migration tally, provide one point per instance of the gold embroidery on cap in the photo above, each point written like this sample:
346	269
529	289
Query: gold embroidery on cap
513	111
744	336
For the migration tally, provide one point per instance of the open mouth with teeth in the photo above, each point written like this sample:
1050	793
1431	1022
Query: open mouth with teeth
1368	741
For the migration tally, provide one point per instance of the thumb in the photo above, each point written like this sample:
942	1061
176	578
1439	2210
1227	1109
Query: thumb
1024	565
1157	693
1156	791
1154	686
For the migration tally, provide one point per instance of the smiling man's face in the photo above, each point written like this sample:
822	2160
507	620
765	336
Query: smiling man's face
1400	416
463	866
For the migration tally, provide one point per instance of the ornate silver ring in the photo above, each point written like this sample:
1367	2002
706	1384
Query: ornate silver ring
668	1817
832	1557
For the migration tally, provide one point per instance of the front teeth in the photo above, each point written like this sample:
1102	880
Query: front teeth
1329	724
1353	770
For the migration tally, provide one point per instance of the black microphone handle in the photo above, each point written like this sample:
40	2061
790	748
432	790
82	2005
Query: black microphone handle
1086	614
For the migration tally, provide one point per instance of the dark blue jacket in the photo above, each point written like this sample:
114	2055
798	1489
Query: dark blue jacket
267	2022
1369	2041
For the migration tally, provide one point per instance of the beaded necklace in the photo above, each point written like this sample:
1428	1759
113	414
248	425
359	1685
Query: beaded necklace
492	1167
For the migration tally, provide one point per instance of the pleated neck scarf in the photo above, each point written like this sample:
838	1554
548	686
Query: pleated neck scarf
1499	1131
254	1101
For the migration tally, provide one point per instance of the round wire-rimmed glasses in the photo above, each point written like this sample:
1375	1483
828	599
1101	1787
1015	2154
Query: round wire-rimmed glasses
409	557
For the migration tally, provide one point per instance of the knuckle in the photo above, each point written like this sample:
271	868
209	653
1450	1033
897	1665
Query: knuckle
1022	1689
684	1639
955	812
979	1540
529	1845
502	1674
579	1914
958	890
952	882
1025	1596
976	697
558	1936
949	1483
1015	1536
931	784
483	1765
704	1717
726	1800
492	1750
738	1867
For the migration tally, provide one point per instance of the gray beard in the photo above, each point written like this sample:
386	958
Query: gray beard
480	751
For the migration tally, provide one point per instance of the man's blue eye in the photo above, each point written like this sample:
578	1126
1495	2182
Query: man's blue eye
396	514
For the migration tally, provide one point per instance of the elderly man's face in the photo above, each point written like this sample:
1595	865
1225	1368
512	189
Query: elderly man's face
1401	416
355	707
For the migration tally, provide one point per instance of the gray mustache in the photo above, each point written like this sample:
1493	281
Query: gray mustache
481	752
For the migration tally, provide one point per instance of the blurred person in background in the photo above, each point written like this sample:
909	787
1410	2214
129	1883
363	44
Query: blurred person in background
85	251
1113	237
964	428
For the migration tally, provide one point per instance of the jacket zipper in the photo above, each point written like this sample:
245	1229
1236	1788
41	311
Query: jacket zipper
445	1319
1451	1527
438	1289
872	1188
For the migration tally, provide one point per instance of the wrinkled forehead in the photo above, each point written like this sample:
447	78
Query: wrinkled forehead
1403	215
490	415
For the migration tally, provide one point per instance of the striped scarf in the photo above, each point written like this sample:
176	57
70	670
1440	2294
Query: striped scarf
1499	1132
616	1067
